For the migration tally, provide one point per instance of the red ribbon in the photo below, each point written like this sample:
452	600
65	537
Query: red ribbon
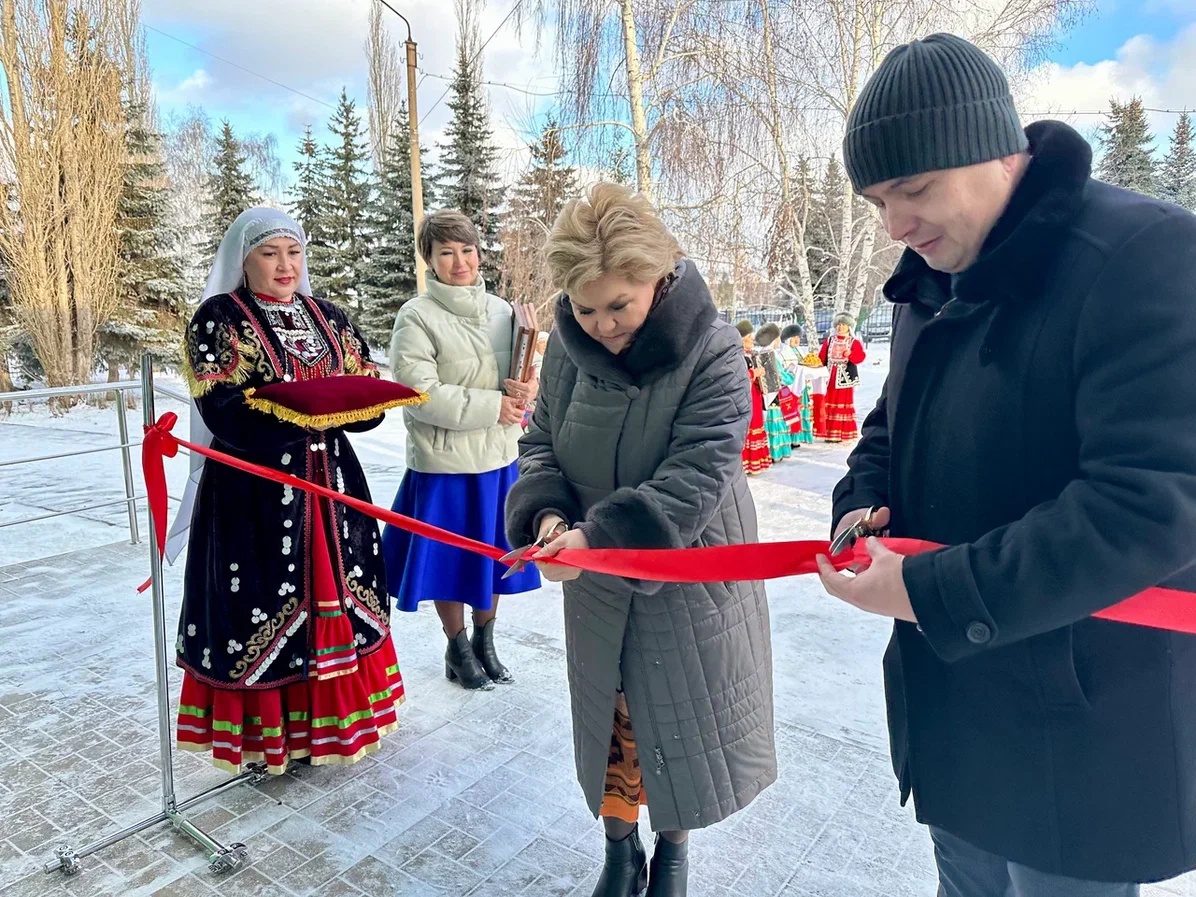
1155	607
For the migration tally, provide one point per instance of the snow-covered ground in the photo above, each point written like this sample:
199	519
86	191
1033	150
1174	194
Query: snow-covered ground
831	826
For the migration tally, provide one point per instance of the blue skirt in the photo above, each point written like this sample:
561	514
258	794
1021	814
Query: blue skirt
469	504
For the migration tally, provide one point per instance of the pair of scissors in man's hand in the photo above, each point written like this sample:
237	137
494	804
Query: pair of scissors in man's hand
861	529
520	557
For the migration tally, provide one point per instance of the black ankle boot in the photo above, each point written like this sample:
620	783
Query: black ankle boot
460	664
670	869
625	871
483	648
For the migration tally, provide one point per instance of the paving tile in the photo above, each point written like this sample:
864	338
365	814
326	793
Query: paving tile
475	794
192	885
438	871
374	877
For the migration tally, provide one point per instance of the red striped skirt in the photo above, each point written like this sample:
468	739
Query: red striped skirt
336	716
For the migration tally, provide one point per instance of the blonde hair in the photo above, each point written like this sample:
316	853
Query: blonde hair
611	230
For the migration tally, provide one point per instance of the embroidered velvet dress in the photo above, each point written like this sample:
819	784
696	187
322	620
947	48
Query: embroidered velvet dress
285	629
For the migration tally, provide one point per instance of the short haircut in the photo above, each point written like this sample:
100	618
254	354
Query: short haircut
610	230
446	226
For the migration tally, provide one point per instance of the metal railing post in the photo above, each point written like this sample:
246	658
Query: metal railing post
161	671
221	858
127	463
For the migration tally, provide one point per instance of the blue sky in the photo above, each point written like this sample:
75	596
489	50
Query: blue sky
315	46
1100	35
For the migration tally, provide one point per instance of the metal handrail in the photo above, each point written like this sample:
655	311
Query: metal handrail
221	857
54	392
120	387
61	455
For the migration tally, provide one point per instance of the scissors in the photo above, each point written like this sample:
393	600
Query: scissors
520	557
862	528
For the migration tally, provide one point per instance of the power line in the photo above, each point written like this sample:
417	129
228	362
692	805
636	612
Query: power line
1106	111
239	66
514	87
514	8
555	93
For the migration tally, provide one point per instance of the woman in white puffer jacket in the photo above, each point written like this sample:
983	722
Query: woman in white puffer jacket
453	342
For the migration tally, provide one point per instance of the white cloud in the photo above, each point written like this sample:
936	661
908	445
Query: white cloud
1162	73
317	46
189	90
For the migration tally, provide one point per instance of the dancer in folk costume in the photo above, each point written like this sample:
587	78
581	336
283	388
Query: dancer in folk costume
841	353
756	458
780	439
791	356
285	631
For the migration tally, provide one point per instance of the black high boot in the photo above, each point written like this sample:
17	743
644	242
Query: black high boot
483	648
670	869
625	871
460	664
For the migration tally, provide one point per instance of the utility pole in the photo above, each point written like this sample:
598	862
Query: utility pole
417	183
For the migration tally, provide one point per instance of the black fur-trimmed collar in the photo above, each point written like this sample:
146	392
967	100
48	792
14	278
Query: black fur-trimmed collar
668	335
1022	243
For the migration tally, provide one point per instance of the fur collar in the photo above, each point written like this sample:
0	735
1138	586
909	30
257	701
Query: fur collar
1024	241
669	333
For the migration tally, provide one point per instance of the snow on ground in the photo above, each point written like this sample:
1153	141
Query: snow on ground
831	826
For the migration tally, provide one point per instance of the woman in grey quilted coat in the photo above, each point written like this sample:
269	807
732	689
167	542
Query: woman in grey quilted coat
635	443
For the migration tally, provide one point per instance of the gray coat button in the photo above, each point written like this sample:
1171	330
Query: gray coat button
979	633
633	392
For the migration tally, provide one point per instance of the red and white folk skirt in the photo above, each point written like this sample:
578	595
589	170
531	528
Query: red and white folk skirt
839	407
756	457
337	715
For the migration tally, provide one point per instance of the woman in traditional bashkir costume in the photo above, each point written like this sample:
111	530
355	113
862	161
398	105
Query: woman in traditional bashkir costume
780	438
285	630
791	357
842	353
756	458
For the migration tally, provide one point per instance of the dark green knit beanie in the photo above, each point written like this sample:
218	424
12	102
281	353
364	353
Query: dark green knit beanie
934	103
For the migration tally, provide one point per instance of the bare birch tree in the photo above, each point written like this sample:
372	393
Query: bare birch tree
786	74
612	55
386	94
62	139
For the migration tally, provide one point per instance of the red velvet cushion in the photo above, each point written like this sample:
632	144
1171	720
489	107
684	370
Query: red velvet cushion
332	401
336	395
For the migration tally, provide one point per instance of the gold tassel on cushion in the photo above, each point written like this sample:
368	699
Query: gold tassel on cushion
328	421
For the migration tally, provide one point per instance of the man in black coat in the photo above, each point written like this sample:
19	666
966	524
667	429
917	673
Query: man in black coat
1039	418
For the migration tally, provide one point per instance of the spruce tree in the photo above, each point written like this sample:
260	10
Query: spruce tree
309	186
549	183
1128	159
1177	180
230	188
390	274
781	253
619	166
822	233
152	287
337	262
535	203
467	179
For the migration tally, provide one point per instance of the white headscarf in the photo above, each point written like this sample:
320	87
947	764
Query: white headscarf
252	228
